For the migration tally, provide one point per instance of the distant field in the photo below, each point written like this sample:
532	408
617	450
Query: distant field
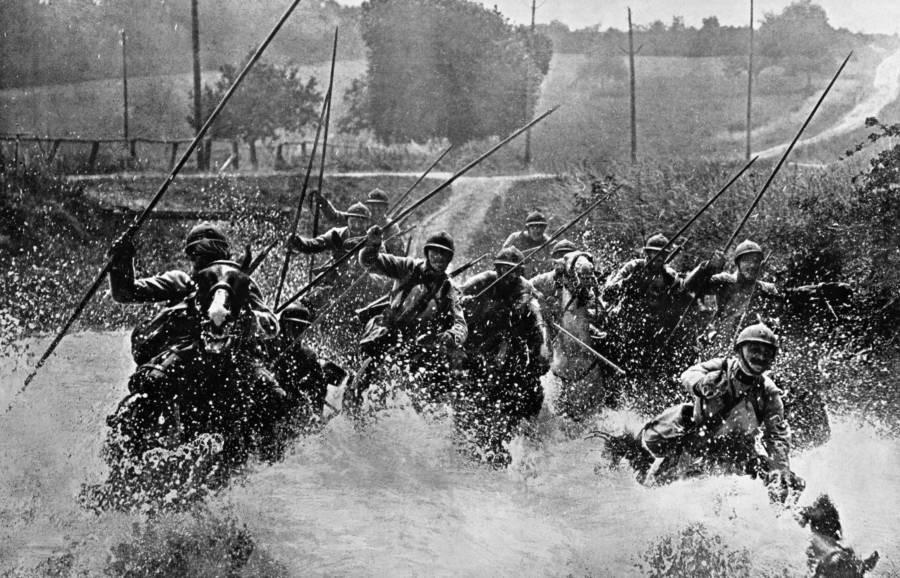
686	108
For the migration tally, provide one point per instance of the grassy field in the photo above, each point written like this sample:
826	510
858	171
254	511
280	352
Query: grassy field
686	108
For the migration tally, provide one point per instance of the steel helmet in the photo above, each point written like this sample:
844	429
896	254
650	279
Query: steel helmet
746	247
656	242
359	210
377	196
560	248
509	256
757	333
205	231
535	218
442	241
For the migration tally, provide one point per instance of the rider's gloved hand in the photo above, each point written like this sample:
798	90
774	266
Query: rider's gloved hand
374	236
710	385
717	262
122	247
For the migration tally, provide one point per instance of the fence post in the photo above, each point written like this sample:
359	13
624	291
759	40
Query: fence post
235	155
53	150
16	154
95	148
172	158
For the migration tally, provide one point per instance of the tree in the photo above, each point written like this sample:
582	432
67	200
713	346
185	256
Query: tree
270	101
447	68
800	40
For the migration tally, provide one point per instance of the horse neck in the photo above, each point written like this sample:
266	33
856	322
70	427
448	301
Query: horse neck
575	316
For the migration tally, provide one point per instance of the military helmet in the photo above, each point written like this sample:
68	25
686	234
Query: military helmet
535	218
509	256
560	248
296	313
656	242
757	333
204	231
359	210
746	247
442	241
377	196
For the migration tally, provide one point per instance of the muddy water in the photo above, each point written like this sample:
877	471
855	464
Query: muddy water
398	499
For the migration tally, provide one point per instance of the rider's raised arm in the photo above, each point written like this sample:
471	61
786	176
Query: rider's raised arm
615	285
701	380
330	240
385	264
776	432
169	286
477	283
329	211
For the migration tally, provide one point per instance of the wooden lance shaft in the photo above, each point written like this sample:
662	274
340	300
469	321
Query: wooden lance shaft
139	221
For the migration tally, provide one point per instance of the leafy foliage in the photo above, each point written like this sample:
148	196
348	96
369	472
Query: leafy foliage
693	553
270	101
447	68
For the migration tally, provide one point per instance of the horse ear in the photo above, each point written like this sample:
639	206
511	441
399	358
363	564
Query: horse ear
870	562
248	258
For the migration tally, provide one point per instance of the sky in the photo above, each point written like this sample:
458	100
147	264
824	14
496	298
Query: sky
872	16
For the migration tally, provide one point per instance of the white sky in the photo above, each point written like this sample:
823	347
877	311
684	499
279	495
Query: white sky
874	16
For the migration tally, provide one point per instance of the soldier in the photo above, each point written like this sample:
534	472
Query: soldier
733	293
422	324
647	298
533	236
164	346
548	285
377	202
733	399
296	365
507	346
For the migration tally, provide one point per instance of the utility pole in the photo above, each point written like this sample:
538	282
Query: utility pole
749	84
198	114
633	106
125	90
527	93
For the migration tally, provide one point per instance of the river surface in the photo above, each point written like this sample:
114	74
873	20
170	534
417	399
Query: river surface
399	499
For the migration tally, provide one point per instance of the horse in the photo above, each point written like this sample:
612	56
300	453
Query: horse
584	380
208	416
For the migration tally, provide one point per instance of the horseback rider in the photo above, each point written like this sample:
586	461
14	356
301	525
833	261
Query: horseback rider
422	322
648	296
733	399
295	364
507	345
166	343
531	237
377	202
734	292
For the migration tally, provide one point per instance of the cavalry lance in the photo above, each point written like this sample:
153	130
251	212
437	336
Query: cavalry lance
765	186
590	349
407	211
139	221
309	168
552	238
402	197
314	201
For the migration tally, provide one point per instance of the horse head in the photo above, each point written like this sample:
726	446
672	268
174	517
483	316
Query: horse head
223	291
827	556
580	283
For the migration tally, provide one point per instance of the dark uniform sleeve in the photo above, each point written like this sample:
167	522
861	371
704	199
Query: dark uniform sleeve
511	240
700	281
330	212
330	240
615	286
170	286
384	264
266	320
478	283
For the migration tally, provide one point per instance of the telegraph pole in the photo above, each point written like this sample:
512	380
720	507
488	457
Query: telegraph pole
125	89
749	84
633	106
198	109
527	93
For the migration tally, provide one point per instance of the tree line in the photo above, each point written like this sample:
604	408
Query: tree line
77	40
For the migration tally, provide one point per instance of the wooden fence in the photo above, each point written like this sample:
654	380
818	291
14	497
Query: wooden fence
158	153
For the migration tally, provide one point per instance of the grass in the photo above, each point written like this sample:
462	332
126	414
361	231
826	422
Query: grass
686	108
